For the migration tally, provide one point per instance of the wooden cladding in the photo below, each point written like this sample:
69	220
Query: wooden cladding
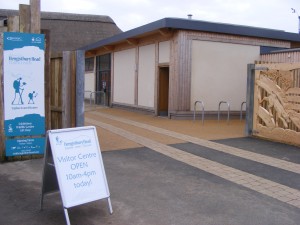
282	57
180	73
234	39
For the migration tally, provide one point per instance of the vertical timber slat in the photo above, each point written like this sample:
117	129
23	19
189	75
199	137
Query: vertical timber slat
112	77
156	94
136	76
25	18
35	11
80	69
56	91
47	80
66	122
72	94
13	24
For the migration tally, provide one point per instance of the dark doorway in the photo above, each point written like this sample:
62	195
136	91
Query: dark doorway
163	91
103	80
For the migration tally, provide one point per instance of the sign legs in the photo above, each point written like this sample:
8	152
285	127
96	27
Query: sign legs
109	206
67	216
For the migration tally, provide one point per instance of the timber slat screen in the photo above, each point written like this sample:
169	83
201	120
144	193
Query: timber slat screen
56	91
277	102
62	89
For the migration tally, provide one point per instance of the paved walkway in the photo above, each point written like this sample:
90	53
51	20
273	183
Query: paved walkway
163	171
264	186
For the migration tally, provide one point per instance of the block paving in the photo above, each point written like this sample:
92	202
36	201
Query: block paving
264	186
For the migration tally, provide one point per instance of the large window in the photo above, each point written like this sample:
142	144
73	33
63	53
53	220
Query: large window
103	79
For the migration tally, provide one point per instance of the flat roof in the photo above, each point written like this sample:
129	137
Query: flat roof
197	25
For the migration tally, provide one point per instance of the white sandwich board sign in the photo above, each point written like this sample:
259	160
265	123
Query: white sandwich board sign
79	166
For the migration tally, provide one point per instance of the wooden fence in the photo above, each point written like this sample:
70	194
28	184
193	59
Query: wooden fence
276	113
64	77
65	90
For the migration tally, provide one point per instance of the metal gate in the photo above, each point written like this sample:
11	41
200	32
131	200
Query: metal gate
276	102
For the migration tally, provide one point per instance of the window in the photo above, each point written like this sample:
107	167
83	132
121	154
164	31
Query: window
89	64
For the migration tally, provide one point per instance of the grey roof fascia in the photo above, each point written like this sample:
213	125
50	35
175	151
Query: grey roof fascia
285	51
196	25
232	29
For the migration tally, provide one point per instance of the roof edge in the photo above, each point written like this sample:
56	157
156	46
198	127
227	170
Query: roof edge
198	25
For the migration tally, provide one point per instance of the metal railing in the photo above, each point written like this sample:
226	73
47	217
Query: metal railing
228	110
89	92
97	92
241	113
202	104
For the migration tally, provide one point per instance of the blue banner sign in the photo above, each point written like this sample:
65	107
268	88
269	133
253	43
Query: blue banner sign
23	63
25	146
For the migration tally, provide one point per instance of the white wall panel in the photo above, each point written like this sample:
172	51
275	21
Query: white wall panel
124	76
164	52
146	76
89	84
219	72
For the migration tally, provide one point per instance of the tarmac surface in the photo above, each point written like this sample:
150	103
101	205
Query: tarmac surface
163	172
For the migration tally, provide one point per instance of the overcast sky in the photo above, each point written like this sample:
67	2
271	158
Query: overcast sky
129	14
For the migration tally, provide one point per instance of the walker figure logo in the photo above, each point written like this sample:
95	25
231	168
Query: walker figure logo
10	129
19	89
58	141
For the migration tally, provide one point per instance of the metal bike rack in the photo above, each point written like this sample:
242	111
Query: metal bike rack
96	92
228	110
241	113
87	92
202	104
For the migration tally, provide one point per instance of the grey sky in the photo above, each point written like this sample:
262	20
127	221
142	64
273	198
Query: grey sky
129	14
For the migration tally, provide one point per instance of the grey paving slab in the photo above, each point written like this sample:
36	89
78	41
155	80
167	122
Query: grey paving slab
277	150
272	173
